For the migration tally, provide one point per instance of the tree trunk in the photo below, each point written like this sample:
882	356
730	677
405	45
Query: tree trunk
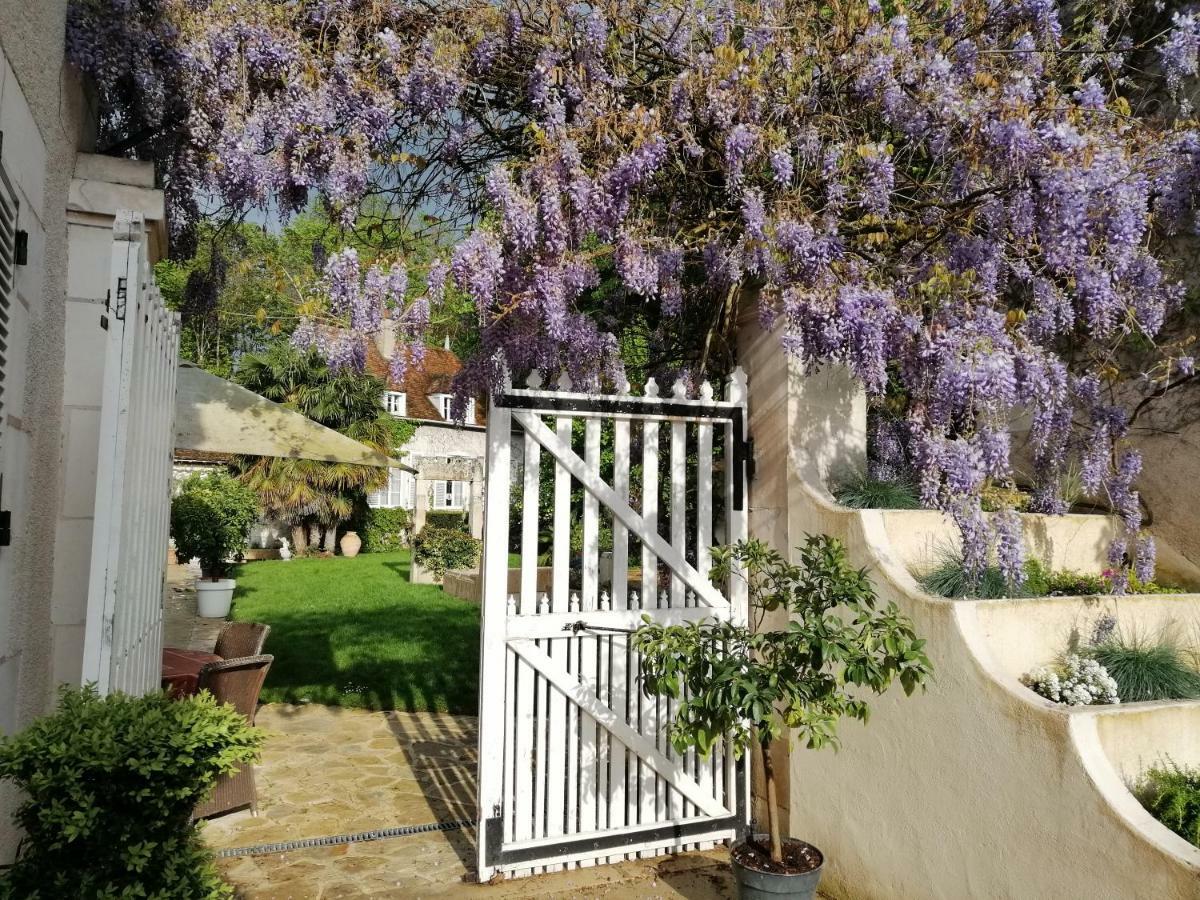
772	804
331	539
314	537
299	539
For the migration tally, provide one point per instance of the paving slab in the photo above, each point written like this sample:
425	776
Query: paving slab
328	771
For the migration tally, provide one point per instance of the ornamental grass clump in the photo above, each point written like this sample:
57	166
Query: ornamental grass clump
1080	681
951	577
860	490
1172	795
1147	668
109	786
748	686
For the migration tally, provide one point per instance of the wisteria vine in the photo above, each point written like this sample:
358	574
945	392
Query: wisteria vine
965	203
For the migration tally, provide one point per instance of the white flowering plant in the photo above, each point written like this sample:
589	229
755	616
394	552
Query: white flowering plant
1080	681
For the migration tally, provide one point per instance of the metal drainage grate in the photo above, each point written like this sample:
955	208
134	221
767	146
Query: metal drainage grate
336	839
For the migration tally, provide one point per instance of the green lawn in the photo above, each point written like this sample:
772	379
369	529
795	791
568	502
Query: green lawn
355	632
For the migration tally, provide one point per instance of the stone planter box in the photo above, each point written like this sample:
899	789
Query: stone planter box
467	584
253	553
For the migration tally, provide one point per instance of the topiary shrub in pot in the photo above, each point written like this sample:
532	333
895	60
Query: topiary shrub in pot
109	786
210	519
753	687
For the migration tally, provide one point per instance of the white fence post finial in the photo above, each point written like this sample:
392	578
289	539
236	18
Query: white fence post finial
737	386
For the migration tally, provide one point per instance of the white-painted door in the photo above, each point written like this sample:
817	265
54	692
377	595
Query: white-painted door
574	765
123	637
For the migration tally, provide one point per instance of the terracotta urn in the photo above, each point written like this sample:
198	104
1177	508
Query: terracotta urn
350	543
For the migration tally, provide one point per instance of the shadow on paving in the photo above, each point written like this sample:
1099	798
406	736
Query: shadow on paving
445	763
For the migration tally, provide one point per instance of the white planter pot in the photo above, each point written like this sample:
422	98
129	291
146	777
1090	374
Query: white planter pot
213	598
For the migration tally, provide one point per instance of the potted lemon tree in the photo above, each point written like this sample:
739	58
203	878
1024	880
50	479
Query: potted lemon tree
750	685
210	520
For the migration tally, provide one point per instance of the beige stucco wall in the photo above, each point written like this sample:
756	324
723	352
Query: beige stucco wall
977	787
40	114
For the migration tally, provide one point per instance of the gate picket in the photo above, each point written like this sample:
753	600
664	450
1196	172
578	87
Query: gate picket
585	773
563	763
619	645
652	787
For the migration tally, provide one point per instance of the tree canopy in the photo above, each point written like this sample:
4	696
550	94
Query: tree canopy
970	204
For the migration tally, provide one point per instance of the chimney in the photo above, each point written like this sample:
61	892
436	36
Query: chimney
385	338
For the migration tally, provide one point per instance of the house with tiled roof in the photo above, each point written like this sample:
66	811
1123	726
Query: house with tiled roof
447	456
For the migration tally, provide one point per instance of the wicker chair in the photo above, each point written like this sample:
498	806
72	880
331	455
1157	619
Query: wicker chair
238	639
236	682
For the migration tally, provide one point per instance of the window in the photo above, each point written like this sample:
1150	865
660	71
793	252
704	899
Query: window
396	402
448	494
399	492
444	404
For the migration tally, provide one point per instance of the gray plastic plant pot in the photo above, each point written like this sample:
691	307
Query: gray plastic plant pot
755	885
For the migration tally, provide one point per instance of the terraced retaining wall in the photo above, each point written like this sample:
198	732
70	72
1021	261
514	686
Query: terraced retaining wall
978	787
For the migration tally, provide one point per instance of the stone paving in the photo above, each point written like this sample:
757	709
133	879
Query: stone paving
328	771
181	626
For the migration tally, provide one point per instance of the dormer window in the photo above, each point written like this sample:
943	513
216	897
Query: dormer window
396	402
444	404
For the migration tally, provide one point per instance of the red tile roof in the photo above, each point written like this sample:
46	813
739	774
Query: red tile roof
435	375
186	456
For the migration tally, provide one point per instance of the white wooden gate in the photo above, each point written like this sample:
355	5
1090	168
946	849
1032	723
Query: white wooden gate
574	764
123	637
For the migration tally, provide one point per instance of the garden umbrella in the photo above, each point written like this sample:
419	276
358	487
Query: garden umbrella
218	416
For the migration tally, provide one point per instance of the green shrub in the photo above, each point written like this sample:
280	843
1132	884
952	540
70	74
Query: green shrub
211	518
110	785
442	549
1149	587
1148	668
1066	583
1172	795
995	497
385	530
752	686
448	521
860	491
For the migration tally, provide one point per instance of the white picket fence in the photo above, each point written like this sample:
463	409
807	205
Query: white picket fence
574	764
123	637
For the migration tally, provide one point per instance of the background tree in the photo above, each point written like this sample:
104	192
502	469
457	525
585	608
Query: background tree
310	496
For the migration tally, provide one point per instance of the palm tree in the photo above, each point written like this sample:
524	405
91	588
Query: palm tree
309	496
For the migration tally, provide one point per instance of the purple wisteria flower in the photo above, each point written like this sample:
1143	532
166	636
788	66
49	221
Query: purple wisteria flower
961	206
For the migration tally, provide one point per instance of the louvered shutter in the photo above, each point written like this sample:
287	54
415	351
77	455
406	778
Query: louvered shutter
8	256
8	265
